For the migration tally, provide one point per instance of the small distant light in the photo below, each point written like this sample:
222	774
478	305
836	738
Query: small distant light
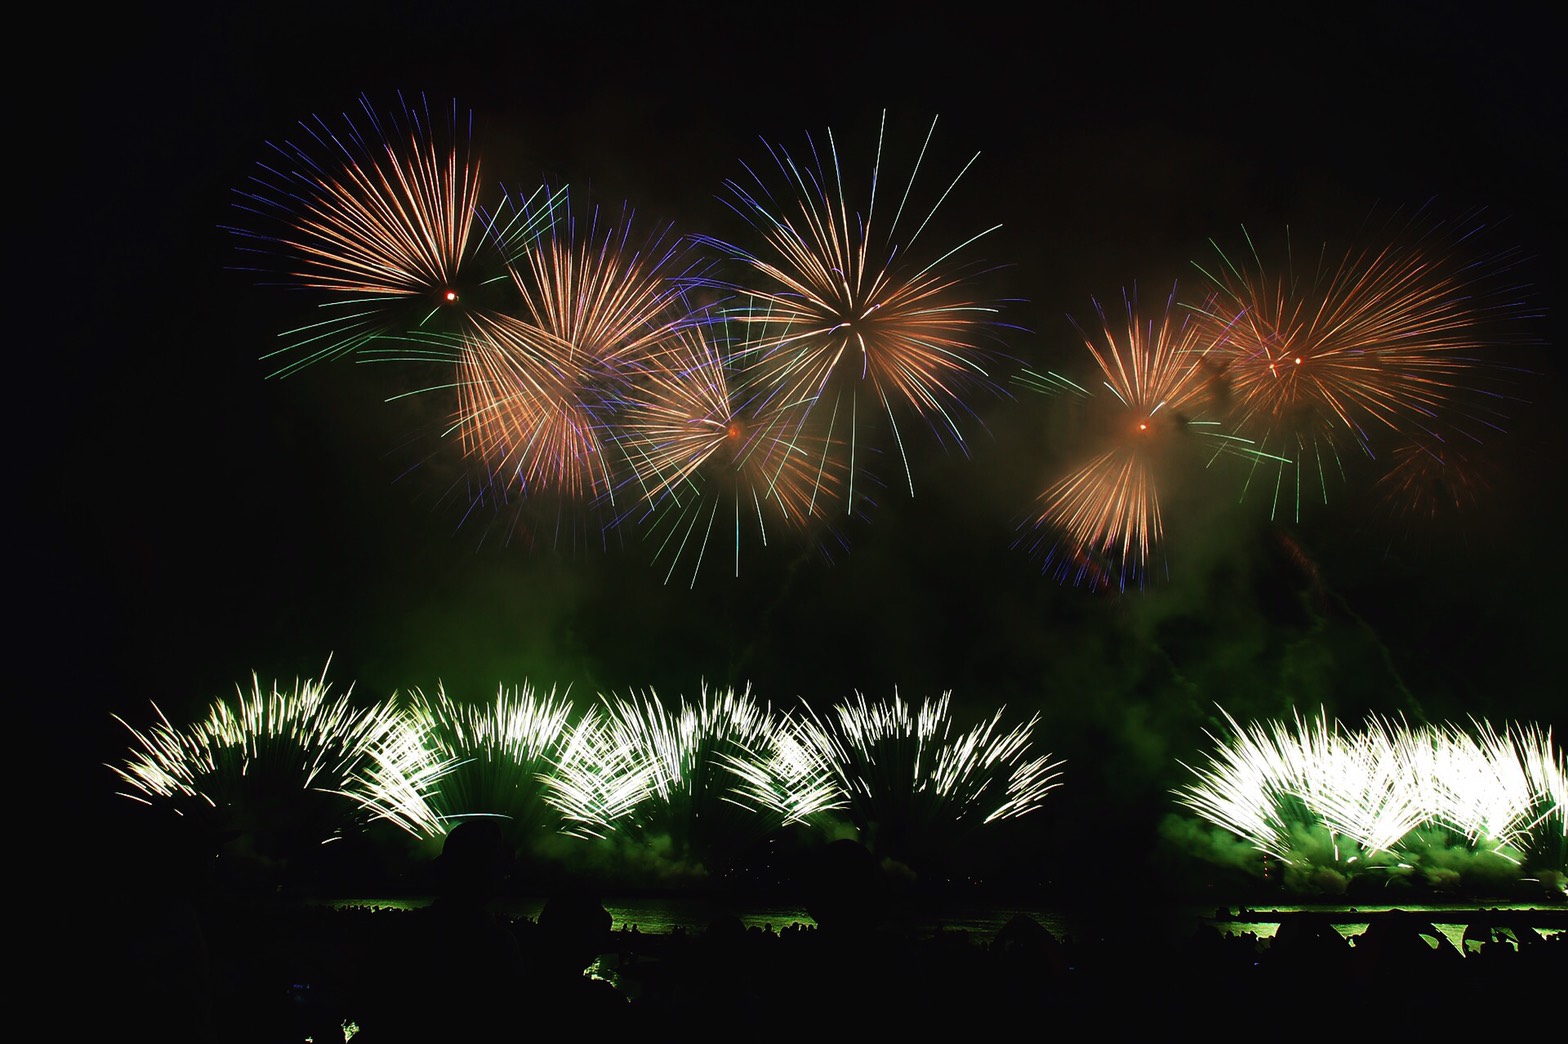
451	295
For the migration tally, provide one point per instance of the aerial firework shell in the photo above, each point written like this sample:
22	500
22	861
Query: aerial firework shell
847	312
534	412
539	390
1102	523
1352	354
1428	482
712	462
380	219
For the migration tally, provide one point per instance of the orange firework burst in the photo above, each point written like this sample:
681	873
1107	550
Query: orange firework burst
848	313
1429	483
536	392
381	217
706	460
531	409
1103	520
1385	343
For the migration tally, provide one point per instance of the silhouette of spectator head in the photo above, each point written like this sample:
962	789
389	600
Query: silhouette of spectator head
1398	943
726	930
474	864
574	929
1025	941
1308	936
846	888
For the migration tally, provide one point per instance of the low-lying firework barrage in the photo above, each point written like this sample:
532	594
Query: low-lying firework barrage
673	775
498	755
911	785
787	778
1388	796
288	767
1504	787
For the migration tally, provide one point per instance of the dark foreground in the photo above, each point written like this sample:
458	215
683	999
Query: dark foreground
250	971
167	956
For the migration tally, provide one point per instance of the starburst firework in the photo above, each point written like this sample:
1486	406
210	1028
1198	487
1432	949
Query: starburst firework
539	390
846	310
379	217
1385	343
710	463
1103	522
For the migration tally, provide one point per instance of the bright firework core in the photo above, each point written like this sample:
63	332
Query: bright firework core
1332	803
694	785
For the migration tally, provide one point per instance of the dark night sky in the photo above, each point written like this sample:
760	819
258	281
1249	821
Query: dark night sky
186	521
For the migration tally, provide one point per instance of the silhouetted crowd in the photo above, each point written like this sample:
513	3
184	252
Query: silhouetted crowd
455	970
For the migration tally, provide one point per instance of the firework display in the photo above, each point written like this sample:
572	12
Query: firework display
711	392
847	311
1388	798
576	360
284	768
913	782
1360	353
1102	522
855	521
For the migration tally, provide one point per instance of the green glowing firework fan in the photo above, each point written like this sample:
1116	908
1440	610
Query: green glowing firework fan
1439	803
914	784
278	772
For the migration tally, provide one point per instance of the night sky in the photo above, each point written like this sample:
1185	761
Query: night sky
184	520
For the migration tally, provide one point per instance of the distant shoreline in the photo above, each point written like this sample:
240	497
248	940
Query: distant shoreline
1525	914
